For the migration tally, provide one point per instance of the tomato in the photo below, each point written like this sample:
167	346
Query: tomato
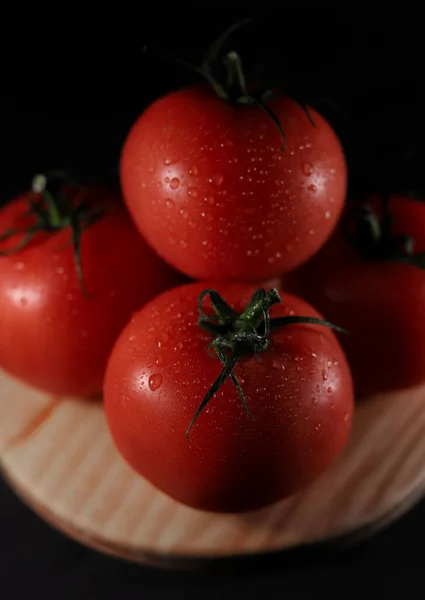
381	302
56	334
298	394
211	189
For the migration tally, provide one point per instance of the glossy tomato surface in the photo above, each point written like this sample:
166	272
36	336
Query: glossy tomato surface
299	393
52	336
381	303
209	187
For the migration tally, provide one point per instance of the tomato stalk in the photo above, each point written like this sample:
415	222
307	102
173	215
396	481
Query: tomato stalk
241	334
374	239
53	211
234	88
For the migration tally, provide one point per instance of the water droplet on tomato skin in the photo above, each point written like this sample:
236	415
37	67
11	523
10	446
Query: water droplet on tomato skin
307	169
328	215
329	390
324	375
314	400
159	360
193	171
192	192
216	179
19	266
155	382
174	183
169	203
347	417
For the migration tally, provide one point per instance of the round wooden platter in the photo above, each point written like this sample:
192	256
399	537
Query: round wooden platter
58	455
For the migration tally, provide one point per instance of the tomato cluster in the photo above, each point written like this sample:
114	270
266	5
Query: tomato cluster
226	392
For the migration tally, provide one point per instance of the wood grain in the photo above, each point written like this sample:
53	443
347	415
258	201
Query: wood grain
58	455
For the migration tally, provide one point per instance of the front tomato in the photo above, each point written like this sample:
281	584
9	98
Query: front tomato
56	331
299	395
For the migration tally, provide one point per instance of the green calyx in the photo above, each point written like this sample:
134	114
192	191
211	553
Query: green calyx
232	87
52	210
374	239
241	334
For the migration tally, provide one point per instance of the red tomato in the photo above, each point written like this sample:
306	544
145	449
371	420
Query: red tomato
381	303
209	188
52	336
299	395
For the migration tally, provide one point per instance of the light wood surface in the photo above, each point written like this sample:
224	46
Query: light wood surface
58	455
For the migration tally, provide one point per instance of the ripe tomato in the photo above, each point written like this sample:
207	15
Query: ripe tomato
209	187
379	300
52	335
299	394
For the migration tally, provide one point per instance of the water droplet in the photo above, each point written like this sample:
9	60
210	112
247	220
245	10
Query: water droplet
183	213
167	161
328	215
194	171
131	338
307	418
159	360
329	390
20	266
278	255
312	188
332	171
167	180
347	417
178	346
169	203
289	247
317	427
271	260
155	381
60	270
307	168
324	375
183	243
278	365
192	192
317	388
216	179
314	400
174	183
314	355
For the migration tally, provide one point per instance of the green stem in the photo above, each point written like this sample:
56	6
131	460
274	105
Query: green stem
236	84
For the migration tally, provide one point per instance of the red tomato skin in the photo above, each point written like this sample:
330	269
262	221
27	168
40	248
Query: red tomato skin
209	188
380	303
53	337
300	395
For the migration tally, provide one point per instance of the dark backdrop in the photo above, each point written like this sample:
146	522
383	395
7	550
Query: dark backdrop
70	90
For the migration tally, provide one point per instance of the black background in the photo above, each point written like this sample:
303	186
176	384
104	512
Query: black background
70	89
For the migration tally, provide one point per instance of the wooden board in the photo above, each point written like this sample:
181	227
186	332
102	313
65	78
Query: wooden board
58	455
